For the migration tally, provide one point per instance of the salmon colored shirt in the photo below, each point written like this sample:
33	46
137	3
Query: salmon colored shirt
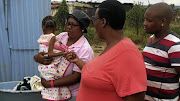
117	73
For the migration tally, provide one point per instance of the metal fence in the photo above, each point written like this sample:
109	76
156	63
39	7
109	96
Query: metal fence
20	27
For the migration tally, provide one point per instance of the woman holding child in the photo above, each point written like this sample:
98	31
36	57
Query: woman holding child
76	25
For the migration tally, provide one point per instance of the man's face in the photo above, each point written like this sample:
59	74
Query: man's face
152	23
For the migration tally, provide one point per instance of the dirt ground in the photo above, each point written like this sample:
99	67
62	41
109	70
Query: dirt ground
98	48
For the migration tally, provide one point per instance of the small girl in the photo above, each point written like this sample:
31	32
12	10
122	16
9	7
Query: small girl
52	45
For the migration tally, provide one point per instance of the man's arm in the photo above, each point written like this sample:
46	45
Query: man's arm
135	97
177	70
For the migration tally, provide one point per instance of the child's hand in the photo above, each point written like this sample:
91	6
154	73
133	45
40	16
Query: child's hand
63	47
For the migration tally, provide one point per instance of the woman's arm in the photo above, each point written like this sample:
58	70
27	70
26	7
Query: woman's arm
41	58
65	81
73	57
50	49
70	79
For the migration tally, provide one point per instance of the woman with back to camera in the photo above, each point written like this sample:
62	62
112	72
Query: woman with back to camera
118	73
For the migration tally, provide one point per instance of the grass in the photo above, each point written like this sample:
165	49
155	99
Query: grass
97	46
139	39
175	28
98	50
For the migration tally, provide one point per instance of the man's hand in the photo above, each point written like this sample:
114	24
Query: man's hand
135	97
42	58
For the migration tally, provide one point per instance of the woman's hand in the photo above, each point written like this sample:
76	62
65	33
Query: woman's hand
71	56
41	58
45	83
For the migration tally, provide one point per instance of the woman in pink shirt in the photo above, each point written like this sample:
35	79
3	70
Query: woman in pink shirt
118	73
77	24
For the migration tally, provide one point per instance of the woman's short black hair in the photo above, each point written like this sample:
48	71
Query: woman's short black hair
114	12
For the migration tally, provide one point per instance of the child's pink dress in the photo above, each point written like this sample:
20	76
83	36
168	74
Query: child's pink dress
54	70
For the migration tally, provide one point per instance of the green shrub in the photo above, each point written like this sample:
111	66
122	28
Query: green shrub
175	28
58	32
61	15
92	36
135	18
178	21
140	39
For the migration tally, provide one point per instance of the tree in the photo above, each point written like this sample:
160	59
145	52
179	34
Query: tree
135	17
61	15
172	6
178	10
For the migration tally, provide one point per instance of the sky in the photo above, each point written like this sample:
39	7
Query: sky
145	2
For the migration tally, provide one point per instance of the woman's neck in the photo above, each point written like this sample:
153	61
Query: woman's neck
113	39
72	40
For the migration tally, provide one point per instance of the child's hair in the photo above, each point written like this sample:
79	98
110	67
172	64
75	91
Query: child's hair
49	22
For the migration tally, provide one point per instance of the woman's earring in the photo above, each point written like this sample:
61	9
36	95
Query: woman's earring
82	30
162	25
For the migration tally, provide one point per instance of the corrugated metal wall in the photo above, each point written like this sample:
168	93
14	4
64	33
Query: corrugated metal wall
5	62
24	28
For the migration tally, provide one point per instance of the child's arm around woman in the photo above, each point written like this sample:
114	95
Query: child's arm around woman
51	46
